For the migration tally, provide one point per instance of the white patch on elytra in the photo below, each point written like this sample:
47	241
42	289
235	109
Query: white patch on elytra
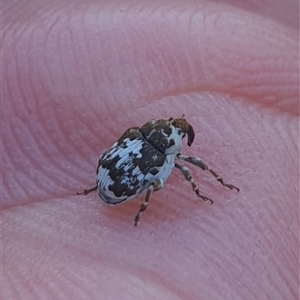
133	146
104	178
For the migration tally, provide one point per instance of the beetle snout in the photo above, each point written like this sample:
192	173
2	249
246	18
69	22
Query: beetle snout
190	134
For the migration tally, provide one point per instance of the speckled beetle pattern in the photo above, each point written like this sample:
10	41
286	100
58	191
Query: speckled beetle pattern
142	160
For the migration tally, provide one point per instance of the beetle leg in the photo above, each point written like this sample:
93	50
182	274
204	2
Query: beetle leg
188	176
199	163
155	186
87	191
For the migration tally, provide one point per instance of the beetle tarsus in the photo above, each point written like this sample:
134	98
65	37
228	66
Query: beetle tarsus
87	191
228	185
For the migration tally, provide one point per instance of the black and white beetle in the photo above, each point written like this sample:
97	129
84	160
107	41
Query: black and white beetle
142	160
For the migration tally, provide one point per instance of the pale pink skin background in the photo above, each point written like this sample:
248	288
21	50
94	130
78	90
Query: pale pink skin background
75	76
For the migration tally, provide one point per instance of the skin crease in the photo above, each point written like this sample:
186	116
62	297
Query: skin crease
76	75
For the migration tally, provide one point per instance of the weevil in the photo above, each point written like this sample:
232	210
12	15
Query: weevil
142	159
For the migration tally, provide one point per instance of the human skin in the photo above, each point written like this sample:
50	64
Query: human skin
76	75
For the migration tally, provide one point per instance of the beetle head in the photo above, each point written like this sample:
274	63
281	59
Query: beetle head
186	128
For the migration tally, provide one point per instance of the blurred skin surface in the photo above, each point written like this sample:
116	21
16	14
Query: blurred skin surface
76	75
